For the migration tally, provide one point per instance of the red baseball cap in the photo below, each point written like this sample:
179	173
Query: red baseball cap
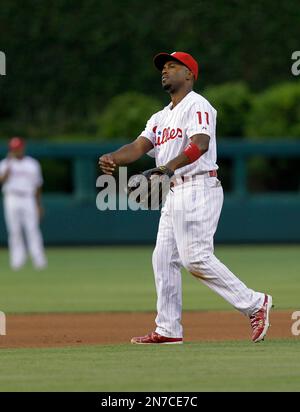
161	58
16	143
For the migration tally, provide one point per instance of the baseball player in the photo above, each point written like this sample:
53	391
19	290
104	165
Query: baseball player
22	181
183	137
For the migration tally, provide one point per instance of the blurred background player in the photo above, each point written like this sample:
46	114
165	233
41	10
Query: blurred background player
21	180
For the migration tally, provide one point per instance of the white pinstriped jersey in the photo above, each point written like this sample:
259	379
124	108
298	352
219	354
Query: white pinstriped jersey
25	175
170	131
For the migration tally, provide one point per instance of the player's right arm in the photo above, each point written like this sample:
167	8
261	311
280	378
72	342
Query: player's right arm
4	177
125	155
4	172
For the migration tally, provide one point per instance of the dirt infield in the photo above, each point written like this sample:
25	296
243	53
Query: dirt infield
58	330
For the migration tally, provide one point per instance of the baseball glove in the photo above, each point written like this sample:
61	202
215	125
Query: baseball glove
150	188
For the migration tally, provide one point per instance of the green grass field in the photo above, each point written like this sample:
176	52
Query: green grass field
120	279
230	366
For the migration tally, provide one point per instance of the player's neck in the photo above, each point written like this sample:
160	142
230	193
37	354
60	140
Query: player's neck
178	95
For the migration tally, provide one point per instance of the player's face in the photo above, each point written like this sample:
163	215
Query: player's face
174	75
17	153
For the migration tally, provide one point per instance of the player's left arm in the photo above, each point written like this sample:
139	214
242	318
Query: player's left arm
38	199
197	147
39	190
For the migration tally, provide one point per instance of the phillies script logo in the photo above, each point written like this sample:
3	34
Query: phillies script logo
166	134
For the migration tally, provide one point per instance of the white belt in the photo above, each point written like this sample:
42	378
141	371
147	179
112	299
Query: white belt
18	193
179	180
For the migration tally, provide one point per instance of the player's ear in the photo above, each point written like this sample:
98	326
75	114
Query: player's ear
189	75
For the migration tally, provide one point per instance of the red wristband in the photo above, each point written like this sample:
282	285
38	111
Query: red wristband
193	152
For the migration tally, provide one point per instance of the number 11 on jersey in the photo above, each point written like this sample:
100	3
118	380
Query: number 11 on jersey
200	117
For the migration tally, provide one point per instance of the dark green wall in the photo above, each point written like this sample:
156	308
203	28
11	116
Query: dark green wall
74	218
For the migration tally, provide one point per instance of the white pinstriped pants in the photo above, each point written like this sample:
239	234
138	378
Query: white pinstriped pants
21	213
187	226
